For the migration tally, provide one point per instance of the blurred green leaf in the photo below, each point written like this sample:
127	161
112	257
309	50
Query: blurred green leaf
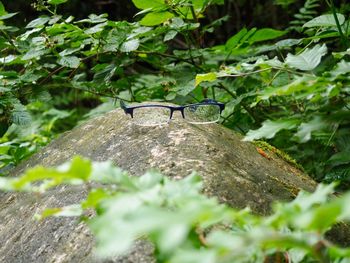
2	9
156	18
266	34
56	2
325	21
130	45
7	16
305	129
308	59
148	4
233	41
270	128
39	22
69	61
66	211
211	76
339	158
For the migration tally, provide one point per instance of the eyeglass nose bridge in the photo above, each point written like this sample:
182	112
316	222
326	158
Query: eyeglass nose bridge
173	109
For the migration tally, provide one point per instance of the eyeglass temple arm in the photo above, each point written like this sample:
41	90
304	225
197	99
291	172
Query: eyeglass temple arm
126	109
123	105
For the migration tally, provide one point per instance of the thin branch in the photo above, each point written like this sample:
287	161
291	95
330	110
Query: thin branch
9	39
169	56
248	110
51	74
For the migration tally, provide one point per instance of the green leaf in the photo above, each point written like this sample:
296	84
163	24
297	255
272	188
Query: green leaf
69	61
325	21
270	128
170	35
340	55
305	129
130	45
148	4
39	22
193	256
115	38
66	211
156	18
211	76
339	158
8	59
307	60
184	88
2	9
20	115
7	16
56	2
77	171
266	34
95	29
329	213
94	19
235	40
6	184
341	68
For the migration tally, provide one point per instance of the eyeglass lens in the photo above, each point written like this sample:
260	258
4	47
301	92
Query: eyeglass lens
196	114
149	116
200	114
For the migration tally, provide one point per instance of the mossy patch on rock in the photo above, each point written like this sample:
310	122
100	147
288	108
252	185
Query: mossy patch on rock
279	153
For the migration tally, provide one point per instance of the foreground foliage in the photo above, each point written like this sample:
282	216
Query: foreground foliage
183	224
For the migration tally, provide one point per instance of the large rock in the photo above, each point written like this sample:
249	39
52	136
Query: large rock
233	171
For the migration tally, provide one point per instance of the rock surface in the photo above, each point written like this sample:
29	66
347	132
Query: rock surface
232	170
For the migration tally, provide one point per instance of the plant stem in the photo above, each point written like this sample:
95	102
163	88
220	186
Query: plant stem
343	38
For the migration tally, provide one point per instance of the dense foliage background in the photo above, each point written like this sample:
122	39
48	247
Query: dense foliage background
281	67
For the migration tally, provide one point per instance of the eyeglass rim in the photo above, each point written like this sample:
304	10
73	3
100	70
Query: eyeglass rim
130	109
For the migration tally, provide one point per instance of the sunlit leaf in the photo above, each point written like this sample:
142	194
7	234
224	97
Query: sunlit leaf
156	18
145	4
39	22
266	34
7	16
2	9
325	21
211	76
270	128
305	129
66	211
69	61
339	158
307	60
233	41
77	171
341	68
340	55
130	45
56	2
20	115
170	35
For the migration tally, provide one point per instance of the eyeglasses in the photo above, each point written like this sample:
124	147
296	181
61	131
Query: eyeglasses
207	111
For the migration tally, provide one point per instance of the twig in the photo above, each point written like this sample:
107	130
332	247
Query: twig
248	110
169	56
51	74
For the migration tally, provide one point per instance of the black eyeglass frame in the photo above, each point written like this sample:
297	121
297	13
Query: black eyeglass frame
130	109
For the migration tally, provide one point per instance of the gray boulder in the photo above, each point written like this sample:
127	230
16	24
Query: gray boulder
232	170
